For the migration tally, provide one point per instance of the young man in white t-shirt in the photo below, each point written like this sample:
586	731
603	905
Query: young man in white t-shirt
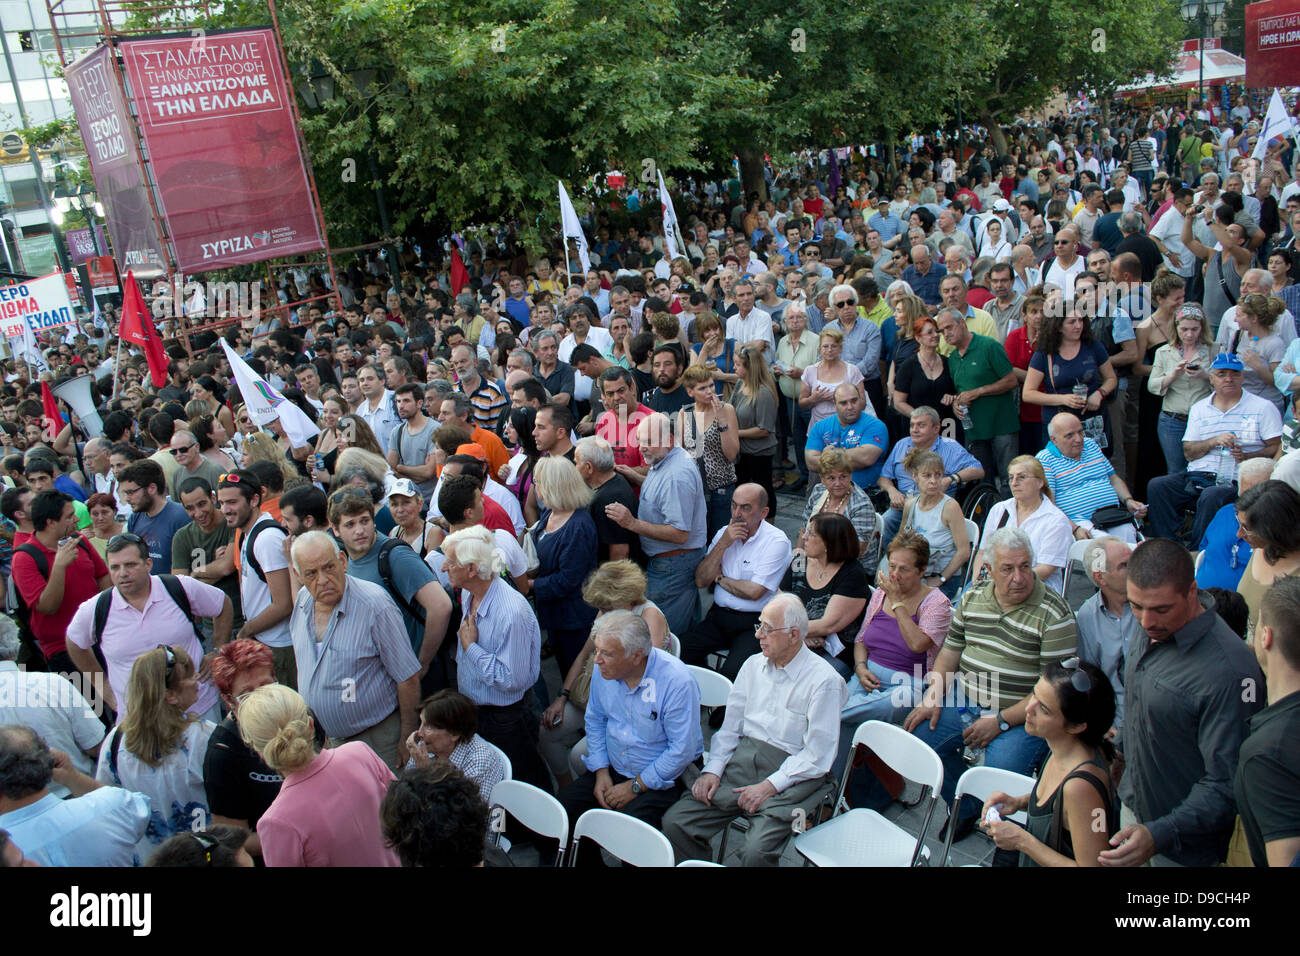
263	571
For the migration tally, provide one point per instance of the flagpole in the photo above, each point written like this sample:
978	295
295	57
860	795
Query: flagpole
117	361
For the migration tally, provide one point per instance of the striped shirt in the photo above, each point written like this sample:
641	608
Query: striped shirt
503	663
1254	420
1079	485
349	676
1004	650
487	401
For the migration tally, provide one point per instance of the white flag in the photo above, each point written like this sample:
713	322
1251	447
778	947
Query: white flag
671	234
98	316
265	404
28	349
573	229
1276	123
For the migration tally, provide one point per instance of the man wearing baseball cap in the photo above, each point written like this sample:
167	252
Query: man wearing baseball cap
1223	429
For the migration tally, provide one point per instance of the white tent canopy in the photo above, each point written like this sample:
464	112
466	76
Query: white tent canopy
1220	67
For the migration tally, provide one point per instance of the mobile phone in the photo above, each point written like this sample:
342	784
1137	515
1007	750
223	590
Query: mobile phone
1194	366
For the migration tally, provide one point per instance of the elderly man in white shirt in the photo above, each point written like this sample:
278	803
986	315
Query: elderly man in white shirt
751	325
744	567
771	760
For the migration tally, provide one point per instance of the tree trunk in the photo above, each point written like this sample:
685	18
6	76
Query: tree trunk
751	173
995	132
1104	99
891	163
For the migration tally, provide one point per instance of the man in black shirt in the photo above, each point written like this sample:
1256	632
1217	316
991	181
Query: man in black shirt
595	461
1267	787
670	395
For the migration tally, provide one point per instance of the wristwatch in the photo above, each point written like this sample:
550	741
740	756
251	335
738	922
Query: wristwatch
1003	726
636	785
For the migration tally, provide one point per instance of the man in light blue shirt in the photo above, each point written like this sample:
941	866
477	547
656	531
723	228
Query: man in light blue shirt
97	826
670	521
885	222
959	466
643	726
1105	621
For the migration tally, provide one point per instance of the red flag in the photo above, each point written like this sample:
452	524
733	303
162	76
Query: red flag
50	411
459	274
137	328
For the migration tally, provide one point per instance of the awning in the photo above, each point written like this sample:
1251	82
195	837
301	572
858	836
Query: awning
1220	67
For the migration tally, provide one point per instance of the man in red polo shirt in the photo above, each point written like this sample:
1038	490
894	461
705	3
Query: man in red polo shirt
618	424
73	572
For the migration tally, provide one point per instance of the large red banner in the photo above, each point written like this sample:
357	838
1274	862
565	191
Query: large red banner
105	126
215	115
1273	43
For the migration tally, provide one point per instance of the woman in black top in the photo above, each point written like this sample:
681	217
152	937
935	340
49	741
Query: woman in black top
1072	708
827	576
923	379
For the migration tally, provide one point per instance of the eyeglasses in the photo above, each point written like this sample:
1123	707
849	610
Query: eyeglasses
176	452
171	662
846	304
209	843
1061	242
1078	677
763	627
127	536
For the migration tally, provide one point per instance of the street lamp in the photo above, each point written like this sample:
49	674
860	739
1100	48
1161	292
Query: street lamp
82	199
1205	11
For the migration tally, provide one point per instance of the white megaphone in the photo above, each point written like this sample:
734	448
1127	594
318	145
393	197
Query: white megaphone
76	392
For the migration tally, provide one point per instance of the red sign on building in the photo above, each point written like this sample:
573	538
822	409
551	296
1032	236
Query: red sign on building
1273	43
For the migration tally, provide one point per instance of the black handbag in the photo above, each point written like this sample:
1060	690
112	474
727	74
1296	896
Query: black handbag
1111	516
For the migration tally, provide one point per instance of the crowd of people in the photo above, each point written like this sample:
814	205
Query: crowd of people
228	648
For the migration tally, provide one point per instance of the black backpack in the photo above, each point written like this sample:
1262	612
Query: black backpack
386	572
174	590
251	537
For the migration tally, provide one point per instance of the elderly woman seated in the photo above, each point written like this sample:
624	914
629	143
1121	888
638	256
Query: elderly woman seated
837	493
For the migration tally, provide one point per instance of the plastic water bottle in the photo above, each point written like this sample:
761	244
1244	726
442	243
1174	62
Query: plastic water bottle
963	412
1225	471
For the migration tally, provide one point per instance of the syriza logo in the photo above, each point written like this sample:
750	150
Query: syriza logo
231	245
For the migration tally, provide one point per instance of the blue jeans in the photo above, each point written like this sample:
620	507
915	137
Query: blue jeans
670	583
1170	431
898	694
1011	750
717	506
799	419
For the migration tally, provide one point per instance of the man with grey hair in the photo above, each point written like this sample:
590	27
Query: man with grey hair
1257	282
1105	621
50	704
771	760
1004	631
484	395
367	687
750	326
1137	242
97	826
556	376
595	460
520	359
643	727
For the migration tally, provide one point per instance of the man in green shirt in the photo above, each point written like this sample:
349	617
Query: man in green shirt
202	547
986	398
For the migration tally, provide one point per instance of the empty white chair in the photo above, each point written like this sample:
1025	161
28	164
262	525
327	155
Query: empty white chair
861	837
631	840
576	767
714	688
674	645
534	808
980	783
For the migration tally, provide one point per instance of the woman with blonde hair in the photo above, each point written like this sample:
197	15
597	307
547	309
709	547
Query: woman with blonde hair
158	749
1180	375
614	586
1257	343
937	518
259	446
755	400
1031	509
327	811
358	459
566	544
837	493
817	391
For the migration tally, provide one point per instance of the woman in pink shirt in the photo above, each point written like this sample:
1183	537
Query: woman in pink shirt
327	812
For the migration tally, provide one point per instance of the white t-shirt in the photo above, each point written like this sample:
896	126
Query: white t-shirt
254	593
1169	230
1063	277
599	339
53	707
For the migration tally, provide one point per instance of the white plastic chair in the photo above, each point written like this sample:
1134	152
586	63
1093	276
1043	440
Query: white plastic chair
510	770
980	783
714	687
674	645
693	863
631	840
1076	556
861	837
972	532
1200	556
534	808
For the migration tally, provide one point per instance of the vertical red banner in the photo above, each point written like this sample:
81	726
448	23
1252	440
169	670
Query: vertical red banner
215	115
1273	43
105	124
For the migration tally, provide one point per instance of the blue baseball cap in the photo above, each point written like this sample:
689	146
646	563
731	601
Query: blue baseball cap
1226	360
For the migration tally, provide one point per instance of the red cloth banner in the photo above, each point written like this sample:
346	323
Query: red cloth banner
215	115
105	123
1273	43
137	327
459	274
